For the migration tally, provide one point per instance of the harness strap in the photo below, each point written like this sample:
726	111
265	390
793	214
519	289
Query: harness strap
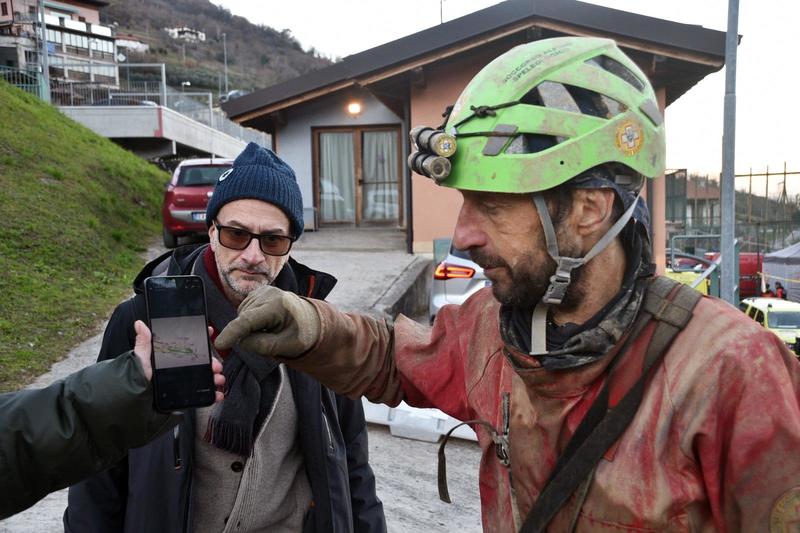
668	303
500	442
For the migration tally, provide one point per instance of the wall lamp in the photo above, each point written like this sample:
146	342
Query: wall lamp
354	108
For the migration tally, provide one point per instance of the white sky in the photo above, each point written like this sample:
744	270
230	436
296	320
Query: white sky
768	70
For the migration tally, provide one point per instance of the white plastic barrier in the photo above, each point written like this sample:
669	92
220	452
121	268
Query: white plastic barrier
411	423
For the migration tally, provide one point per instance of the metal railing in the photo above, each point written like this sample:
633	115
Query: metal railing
197	106
27	80
713	267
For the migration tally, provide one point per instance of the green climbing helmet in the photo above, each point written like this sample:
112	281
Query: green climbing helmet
547	111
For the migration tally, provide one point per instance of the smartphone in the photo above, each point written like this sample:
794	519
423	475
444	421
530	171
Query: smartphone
176	311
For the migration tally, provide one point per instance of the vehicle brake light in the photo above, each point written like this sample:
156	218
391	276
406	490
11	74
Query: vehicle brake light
446	271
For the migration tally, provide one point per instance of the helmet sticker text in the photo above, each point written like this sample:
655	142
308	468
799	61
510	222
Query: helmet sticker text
630	137
531	63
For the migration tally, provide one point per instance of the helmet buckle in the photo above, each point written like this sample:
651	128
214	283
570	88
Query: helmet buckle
559	282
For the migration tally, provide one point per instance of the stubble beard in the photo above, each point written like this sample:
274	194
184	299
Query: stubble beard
244	287
527	282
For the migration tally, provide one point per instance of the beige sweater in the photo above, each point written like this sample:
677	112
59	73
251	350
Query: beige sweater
266	492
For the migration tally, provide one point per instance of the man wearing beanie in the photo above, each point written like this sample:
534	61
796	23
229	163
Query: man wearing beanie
281	452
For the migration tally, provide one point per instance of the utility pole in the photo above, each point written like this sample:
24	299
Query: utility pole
750	198
163	85
783	201
225	58
44	81
728	284
766	198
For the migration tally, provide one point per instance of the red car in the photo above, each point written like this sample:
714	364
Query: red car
186	197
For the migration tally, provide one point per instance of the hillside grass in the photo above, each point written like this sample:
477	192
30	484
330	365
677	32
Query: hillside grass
77	211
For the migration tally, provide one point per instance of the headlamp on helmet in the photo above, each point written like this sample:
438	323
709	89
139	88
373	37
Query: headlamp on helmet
432	149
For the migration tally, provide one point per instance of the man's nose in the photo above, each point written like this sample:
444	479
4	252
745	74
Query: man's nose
468	233
252	254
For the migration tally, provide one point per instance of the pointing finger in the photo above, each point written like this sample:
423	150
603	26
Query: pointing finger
230	334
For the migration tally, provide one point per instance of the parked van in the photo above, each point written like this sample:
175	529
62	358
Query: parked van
779	316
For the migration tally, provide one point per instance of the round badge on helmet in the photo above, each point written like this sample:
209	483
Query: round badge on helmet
630	137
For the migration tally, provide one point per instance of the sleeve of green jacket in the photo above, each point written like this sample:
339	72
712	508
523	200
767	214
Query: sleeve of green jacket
56	436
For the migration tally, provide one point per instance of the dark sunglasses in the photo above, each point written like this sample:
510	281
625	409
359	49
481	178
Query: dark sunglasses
239	239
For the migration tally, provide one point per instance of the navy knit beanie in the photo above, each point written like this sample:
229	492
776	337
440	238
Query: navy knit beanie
260	174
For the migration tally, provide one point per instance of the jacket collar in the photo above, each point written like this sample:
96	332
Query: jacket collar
564	383
310	283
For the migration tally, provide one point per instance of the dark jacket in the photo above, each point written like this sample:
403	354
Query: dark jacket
151	489
58	435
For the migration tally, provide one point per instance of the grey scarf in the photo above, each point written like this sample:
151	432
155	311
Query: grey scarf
251	380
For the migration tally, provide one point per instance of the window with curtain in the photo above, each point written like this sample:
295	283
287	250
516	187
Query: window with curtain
380	168
337	196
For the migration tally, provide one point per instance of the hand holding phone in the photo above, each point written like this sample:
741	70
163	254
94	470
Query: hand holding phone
143	349
181	349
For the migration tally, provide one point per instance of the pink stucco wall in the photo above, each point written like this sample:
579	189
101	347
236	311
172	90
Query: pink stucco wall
435	208
90	13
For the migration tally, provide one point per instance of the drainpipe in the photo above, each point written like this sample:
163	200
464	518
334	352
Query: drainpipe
407	177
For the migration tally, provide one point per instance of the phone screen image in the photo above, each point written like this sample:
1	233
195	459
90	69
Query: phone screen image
182	375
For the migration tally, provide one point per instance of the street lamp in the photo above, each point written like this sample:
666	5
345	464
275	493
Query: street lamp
225	59
185	84
44	81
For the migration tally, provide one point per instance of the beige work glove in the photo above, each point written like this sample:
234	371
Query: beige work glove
273	323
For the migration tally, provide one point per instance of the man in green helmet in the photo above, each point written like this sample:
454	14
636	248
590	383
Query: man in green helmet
605	398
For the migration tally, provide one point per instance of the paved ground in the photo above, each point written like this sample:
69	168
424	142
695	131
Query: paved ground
371	266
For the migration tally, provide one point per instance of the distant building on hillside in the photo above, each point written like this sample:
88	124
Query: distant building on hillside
129	42
80	49
186	34
6	12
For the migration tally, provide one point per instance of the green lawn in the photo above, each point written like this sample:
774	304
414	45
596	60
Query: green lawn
77	212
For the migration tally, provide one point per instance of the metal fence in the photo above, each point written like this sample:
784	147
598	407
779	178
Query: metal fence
196	105
27	80
767	218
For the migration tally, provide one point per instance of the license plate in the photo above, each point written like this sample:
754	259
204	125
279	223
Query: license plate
200	217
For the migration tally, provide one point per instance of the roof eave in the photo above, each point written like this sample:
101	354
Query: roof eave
698	45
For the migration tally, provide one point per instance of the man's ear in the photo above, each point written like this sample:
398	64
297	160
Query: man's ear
593	210
212	230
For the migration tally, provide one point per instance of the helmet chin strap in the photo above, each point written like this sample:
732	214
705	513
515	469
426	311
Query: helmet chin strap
560	280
